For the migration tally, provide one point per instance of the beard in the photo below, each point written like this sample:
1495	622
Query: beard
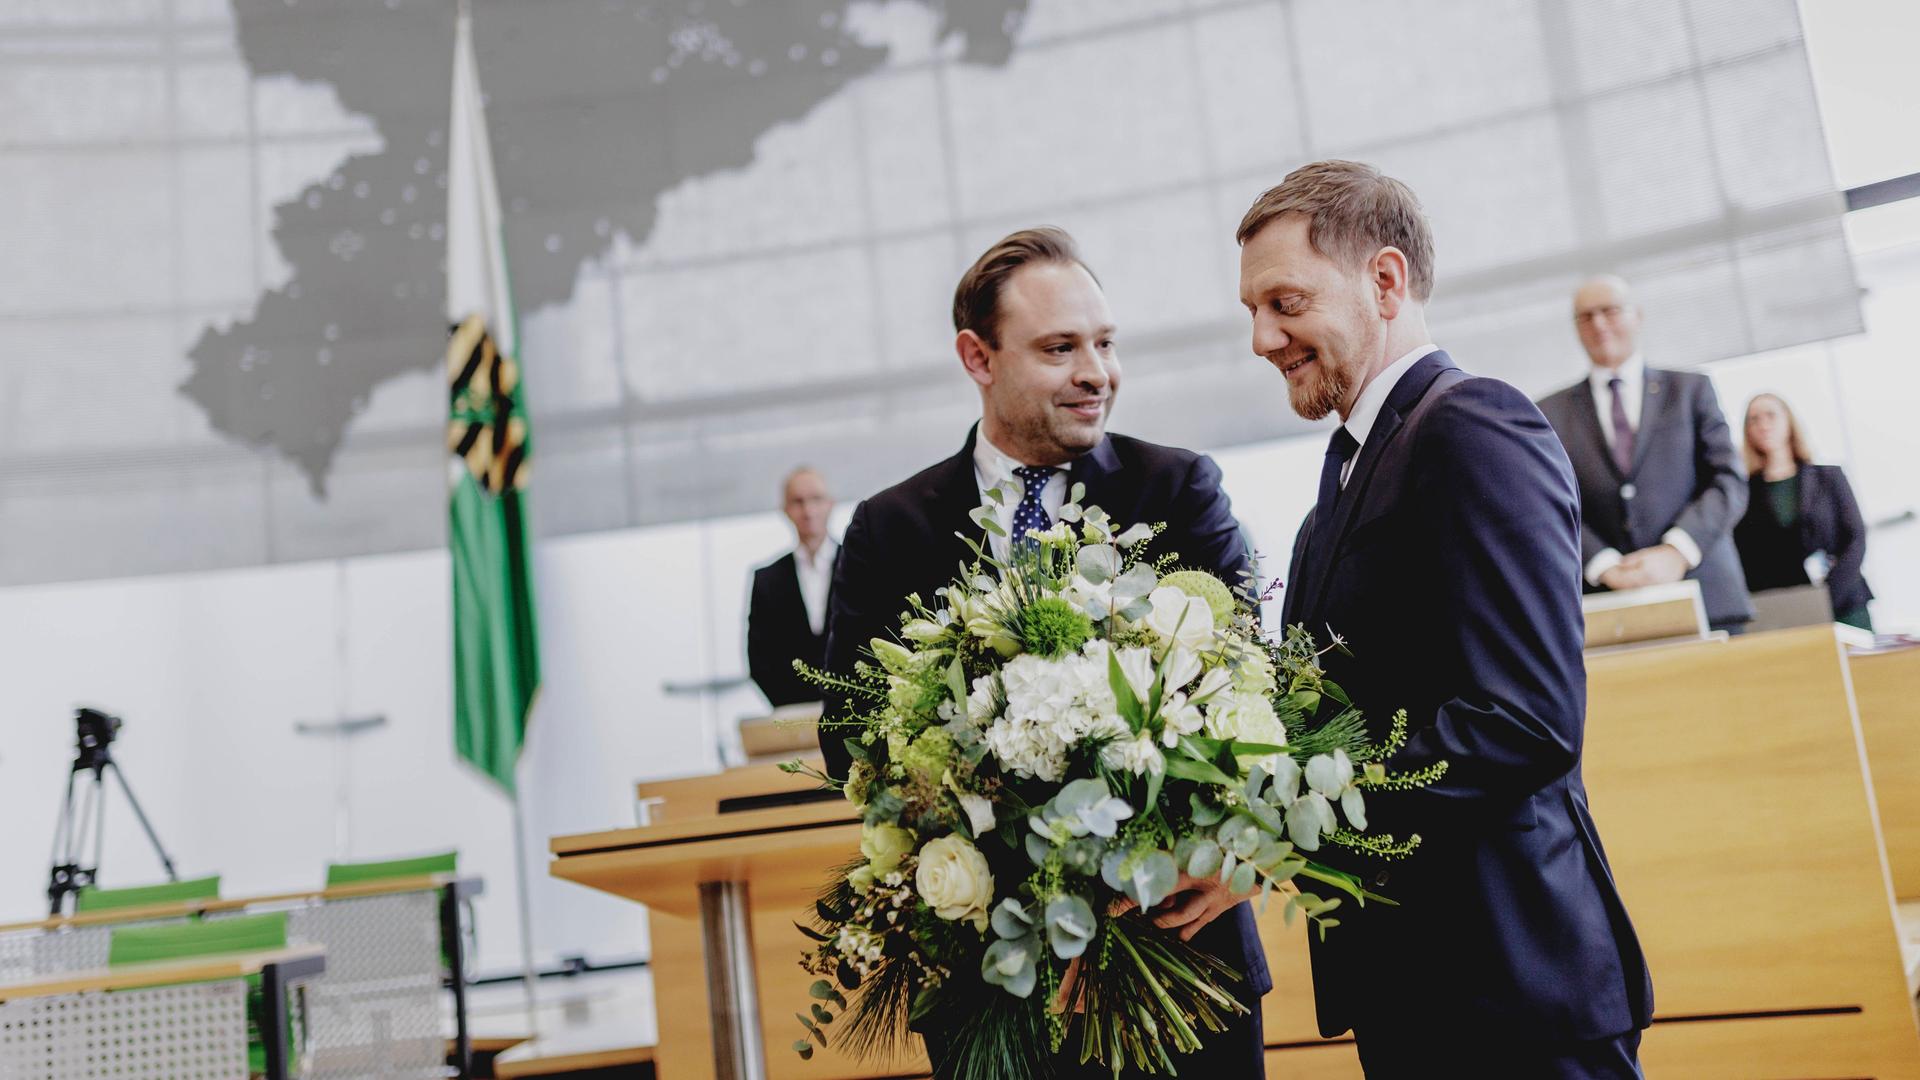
1315	398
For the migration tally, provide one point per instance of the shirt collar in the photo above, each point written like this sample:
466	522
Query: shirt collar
1631	373
1366	409
822	557
992	464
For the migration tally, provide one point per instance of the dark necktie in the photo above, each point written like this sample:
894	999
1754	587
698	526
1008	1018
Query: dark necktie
1031	514
1622	431
1340	449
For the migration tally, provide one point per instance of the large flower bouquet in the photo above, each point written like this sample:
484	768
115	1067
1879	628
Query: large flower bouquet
1053	740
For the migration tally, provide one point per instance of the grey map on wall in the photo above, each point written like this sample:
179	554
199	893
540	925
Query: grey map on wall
598	107
734	227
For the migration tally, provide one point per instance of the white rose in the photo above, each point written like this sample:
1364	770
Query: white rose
1179	619
954	879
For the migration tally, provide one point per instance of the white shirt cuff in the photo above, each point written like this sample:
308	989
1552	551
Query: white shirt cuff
1601	563
1684	544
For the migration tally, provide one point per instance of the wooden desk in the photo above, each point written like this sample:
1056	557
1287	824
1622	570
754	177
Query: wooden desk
1886	685
1727	781
297	961
570	1051
180	908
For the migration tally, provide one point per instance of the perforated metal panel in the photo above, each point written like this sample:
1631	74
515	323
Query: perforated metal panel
27	954
196	1032
376	1011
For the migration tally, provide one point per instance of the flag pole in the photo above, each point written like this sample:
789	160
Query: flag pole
525	883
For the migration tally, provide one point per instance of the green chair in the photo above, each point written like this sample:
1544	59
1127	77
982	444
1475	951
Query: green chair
355	872
93	898
179	941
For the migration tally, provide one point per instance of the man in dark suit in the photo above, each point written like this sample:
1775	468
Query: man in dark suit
1036	337
787	616
1444	548
1660	484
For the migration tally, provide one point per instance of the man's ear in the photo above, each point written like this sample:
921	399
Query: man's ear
975	357
1389	273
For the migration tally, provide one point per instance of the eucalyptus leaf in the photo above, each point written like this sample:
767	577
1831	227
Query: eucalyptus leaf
1242	880
1205	860
1153	878
1010	920
1070	926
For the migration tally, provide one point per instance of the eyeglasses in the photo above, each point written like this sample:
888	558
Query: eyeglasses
1609	313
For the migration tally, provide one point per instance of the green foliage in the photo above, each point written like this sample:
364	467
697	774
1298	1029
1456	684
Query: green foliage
1052	627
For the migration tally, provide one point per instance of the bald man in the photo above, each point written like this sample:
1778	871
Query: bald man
787	616
1660	483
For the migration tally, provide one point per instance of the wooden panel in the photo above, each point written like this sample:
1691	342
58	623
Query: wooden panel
698	796
177	908
1886	685
1332	1061
160	973
1781	1048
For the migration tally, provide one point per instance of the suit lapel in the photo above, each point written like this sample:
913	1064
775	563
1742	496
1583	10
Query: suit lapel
955	494
1099	469
1586	417
1406	394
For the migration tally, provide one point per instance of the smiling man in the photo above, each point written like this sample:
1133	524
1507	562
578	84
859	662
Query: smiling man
1033	332
1445	548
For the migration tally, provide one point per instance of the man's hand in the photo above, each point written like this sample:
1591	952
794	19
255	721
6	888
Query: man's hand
1619	578
1193	904
1661	564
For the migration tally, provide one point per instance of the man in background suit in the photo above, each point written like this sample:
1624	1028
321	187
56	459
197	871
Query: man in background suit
1660	484
1444	548
1035	336
787	616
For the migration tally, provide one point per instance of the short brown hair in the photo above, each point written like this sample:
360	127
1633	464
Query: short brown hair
1353	210
1796	442
976	301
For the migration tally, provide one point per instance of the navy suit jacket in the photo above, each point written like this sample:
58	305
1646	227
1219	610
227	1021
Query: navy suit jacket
778	633
906	540
1685	475
1451	565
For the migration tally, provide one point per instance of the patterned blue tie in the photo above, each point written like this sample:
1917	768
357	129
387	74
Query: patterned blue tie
1031	514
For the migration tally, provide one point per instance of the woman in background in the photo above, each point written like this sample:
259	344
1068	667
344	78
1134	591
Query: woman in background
1798	510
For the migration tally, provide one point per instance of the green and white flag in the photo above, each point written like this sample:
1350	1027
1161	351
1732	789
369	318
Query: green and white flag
496	653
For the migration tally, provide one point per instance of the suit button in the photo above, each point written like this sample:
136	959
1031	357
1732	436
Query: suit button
1381	878
1628	491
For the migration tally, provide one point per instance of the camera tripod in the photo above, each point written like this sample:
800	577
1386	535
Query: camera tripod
94	733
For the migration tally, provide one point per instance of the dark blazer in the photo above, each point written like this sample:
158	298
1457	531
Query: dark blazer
1685	475
778	633
1830	521
1451	566
905	540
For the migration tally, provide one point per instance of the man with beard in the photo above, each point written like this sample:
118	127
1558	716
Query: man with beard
1444	548
1036	337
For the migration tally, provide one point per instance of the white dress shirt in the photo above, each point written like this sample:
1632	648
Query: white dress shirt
991	466
1632	374
816	580
1366	408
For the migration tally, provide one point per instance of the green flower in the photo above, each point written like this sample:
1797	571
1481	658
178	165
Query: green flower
884	846
930	754
859	780
1199	583
1052	627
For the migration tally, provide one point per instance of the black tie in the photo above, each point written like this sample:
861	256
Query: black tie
1340	449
